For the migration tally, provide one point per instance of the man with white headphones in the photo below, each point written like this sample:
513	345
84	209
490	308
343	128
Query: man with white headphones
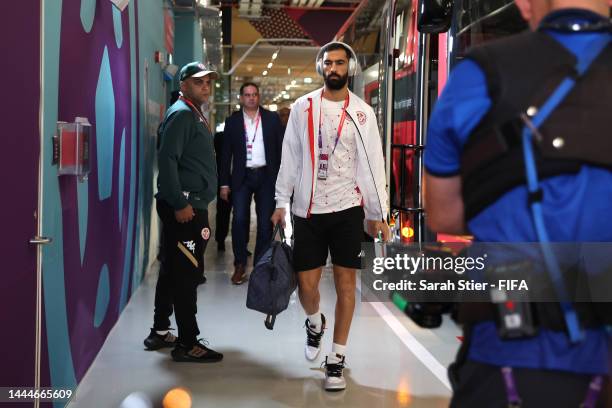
332	163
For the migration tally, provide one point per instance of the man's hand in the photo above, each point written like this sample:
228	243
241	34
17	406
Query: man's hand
184	215
374	227
224	193
279	216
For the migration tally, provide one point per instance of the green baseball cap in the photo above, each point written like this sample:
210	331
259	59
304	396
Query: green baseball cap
197	70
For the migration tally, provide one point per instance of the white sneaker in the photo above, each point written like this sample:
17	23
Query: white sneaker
334	378
313	340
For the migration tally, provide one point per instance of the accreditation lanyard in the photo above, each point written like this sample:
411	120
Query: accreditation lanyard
196	111
249	145
324	157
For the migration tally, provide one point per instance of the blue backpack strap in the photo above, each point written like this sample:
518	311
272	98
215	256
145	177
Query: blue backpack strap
585	60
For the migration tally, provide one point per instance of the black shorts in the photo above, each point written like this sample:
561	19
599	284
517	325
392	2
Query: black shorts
340	233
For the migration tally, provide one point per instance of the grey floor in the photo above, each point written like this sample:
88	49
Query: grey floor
391	362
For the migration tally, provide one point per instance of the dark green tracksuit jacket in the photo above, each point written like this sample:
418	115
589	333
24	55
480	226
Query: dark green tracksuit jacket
186	159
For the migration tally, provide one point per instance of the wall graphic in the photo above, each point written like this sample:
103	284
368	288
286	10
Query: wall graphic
91	63
91	60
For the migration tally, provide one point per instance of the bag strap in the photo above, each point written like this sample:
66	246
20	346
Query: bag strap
514	399
533	185
278	228
271	318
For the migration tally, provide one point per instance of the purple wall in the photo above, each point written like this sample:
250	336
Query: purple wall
80	61
20	33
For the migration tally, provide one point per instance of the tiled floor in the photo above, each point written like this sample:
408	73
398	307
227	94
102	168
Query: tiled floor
391	362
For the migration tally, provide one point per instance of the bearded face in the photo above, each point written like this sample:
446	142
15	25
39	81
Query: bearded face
335	81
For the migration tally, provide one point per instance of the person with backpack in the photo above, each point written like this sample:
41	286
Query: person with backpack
502	164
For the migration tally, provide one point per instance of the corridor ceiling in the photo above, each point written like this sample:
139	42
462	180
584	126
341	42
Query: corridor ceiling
307	23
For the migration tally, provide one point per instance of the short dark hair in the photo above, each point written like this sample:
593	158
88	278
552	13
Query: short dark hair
248	84
336	46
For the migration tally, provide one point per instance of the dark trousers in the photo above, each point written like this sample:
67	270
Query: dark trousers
222	220
256	183
182	247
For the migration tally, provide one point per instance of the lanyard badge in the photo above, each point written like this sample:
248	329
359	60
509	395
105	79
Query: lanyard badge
323	162
249	143
324	157
249	152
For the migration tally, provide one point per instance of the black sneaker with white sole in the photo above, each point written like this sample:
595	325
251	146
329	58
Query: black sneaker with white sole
157	341
198	353
334	377
313	339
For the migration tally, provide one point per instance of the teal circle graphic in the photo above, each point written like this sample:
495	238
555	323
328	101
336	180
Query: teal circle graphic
83	203
105	128
102	297
121	177
117	26
88	13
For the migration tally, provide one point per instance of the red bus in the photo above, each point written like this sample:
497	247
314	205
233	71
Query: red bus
417	44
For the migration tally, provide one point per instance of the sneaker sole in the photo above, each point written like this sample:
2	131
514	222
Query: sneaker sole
335	388
153	348
195	360
314	358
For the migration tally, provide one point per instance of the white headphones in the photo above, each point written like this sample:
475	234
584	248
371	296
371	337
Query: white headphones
353	65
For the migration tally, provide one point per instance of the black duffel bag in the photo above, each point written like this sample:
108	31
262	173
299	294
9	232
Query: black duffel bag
273	280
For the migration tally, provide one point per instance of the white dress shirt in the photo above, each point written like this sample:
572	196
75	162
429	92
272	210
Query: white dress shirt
258	157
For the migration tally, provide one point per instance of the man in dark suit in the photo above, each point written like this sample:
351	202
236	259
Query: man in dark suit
250	159
224	207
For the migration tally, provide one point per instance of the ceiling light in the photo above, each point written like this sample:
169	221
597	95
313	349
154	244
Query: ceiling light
287	87
273	107
283	92
275	54
218	85
286	96
237	106
293	82
289	71
270	65
308	80
264	73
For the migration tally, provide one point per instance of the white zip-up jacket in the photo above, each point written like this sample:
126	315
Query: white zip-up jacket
300	157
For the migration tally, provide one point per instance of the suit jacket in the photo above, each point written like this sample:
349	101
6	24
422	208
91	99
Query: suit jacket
218	147
232	169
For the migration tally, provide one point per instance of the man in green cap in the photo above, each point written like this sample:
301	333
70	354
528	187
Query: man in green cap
187	183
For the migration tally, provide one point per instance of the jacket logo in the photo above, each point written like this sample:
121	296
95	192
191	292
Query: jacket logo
361	117
205	234
191	245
